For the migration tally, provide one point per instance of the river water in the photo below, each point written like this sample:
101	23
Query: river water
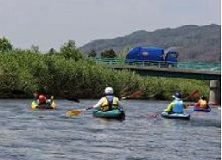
143	135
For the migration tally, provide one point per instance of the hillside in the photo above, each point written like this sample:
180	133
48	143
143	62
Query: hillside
194	43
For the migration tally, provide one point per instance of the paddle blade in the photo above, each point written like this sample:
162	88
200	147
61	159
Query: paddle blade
192	94
73	99
16	91
73	112
134	95
154	115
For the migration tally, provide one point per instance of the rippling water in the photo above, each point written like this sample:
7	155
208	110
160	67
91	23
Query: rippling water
48	134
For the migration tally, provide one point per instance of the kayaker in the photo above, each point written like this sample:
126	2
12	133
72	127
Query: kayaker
177	105
108	102
202	103
42	99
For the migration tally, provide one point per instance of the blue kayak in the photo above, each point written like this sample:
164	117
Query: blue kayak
199	109
184	116
111	114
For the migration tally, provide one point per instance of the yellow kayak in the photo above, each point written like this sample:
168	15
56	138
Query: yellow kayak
34	105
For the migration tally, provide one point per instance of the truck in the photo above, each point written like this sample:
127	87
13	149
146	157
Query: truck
152	55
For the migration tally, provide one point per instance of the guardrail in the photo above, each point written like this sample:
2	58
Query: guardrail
161	64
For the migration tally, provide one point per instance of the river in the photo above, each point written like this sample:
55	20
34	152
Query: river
48	134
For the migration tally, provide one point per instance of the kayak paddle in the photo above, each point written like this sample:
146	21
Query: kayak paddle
134	95
76	112
192	94
18	92
73	99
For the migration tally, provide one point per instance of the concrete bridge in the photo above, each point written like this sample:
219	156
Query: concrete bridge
188	70
171	72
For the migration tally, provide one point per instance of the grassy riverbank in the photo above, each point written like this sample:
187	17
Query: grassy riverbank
68	73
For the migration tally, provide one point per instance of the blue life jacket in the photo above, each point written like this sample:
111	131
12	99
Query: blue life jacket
178	107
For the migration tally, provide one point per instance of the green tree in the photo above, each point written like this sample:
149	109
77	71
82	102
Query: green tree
108	54
92	53
124	51
69	51
35	49
52	51
5	44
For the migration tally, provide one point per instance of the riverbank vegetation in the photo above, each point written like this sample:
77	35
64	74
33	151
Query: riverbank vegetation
67	73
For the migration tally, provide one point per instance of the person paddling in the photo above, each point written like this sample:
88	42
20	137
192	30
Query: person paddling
41	99
202	103
108	102
177	105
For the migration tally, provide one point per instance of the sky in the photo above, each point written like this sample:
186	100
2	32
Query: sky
51	23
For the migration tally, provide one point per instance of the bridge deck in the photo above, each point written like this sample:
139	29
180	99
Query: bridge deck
194	70
171	72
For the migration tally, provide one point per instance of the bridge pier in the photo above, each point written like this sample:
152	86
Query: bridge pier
215	92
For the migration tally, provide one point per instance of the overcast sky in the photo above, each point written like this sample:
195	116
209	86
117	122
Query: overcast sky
50	23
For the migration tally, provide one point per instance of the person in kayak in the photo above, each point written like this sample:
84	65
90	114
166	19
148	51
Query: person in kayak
108	102
177	105
41	99
202	103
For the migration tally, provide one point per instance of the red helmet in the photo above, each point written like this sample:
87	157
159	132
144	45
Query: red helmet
42	98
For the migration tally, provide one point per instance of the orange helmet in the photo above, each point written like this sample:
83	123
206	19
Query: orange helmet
42	98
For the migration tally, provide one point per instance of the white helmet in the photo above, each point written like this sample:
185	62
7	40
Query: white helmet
109	90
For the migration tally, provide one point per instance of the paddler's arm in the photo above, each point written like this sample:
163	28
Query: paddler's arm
169	107
97	105
120	105
186	105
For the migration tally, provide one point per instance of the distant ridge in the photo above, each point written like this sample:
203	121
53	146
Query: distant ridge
193	42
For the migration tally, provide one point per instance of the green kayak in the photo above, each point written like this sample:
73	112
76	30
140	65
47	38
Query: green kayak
112	114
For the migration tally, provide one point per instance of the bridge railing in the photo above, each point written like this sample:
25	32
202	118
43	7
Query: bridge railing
160	64
200	66
123	61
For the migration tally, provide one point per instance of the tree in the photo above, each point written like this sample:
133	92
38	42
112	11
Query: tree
124	51
92	53
35	48
108	54
69	51
5	44
52	51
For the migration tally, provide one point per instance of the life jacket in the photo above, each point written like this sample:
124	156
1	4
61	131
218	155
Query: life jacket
178	107
203	103
109	103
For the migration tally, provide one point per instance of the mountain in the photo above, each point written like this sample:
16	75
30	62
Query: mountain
193	42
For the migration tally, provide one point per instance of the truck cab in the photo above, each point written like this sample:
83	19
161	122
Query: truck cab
171	58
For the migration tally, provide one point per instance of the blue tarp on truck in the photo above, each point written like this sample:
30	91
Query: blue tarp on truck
146	53
153	54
